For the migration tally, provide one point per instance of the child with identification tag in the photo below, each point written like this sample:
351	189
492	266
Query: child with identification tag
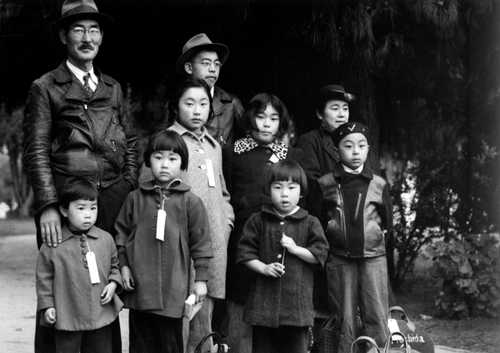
265	121
282	245
76	282
191	105
161	228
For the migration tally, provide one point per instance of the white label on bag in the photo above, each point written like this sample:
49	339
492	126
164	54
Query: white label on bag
210	173
393	325
92	265
160	224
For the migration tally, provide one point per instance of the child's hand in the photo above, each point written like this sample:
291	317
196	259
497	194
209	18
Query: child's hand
50	315
108	292
274	269
128	279
200	290
288	243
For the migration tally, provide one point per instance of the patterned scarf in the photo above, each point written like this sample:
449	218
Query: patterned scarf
248	143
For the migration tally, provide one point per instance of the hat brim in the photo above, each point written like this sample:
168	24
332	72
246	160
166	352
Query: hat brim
222	51
103	19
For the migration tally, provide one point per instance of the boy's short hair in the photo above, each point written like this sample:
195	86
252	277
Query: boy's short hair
258	104
332	92
77	189
181	88
286	170
167	140
349	128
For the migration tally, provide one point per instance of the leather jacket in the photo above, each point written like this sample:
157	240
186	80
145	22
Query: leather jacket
376	213
67	133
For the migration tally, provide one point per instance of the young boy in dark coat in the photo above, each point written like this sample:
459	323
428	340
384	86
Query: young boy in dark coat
358	213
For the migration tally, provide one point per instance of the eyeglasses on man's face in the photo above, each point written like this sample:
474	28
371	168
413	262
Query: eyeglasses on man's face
79	32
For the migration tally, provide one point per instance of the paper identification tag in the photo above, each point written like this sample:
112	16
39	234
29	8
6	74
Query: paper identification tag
274	158
210	173
92	265
160	224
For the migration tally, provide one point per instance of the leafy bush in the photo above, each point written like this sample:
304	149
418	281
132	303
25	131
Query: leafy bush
468	271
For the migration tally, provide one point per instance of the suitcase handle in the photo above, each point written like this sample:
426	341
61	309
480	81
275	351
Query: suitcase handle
364	339
400	310
405	317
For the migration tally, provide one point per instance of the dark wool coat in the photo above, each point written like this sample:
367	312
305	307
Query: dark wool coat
274	302
319	157
161	270
63	281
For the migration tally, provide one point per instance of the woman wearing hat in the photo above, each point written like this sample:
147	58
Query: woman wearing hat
320	153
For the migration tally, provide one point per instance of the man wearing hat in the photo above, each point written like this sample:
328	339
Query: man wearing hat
75	126
203	59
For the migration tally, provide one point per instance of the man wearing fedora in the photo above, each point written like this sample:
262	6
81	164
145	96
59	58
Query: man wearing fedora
75	126
203	59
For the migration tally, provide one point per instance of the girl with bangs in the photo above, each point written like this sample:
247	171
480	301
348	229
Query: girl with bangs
282	245
266	123
161	228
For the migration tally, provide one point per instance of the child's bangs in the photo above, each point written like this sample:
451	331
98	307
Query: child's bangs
288	170
77	189
164	142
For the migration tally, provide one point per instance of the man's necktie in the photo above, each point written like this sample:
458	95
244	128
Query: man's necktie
86	85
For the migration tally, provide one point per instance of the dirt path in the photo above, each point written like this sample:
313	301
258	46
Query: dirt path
17	293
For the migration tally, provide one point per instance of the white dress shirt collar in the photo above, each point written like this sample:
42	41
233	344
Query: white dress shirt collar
79	73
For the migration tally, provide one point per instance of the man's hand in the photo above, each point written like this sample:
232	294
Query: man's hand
108	292
50	226
274	269
50	315
200	290
128	279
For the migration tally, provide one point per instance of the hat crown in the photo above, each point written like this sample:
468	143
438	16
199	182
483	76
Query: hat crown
72	7
196	40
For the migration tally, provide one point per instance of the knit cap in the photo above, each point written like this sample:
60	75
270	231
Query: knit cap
350	127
